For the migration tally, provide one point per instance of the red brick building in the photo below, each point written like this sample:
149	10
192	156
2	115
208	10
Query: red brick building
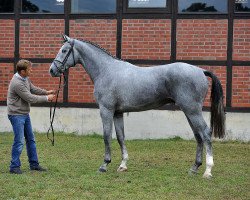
214	35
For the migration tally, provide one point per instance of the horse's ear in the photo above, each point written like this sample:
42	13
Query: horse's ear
65	38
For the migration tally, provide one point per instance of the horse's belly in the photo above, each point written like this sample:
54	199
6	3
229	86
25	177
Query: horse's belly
143	106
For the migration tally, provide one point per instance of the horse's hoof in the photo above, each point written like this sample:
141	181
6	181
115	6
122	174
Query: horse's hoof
102	170
122	169
192	172
207	176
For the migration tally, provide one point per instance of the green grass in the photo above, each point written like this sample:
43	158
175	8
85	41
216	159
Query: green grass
157	169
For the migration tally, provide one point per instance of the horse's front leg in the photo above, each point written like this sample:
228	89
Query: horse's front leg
119	128
107	121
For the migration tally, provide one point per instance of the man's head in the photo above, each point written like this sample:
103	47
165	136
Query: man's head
23	67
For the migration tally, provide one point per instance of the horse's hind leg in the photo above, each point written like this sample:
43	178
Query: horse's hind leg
202	132
119	128
199	151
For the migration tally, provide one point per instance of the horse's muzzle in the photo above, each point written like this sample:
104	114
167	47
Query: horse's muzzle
53	72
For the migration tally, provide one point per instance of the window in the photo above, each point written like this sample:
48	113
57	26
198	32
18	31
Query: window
242	5
7	6
146	6
147	3
43	6
197	6
93	6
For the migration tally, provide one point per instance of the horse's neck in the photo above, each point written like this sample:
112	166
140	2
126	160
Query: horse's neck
93	60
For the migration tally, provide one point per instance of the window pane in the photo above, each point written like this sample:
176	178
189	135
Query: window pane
219	6
43	6
93	6
147	3
6	6
242	5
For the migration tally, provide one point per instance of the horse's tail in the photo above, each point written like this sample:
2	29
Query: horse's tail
217	120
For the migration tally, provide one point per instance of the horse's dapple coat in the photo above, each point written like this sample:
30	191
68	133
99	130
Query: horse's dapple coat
122	87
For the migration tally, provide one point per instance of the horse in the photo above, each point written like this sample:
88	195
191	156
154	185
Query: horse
121	87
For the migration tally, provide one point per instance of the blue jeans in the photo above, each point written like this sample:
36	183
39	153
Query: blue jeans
22	128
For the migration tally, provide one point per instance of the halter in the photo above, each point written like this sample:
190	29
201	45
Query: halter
60	70
52	114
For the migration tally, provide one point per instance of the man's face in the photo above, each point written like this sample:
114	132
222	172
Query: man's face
27	72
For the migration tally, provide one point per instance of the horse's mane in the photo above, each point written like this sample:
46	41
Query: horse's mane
101	48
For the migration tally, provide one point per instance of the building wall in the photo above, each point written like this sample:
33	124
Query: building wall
241	86
40	38
5	77
141	40
146	39
241	39
7	38
202	39
241	74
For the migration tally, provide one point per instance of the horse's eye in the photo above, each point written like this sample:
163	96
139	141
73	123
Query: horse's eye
63	51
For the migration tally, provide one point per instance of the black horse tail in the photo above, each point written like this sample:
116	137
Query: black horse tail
217	120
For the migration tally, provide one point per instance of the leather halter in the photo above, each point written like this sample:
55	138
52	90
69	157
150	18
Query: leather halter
61	69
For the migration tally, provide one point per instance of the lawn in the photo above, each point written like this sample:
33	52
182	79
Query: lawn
157	169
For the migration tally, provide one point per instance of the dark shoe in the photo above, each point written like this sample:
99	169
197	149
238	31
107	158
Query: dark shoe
16	171
38	168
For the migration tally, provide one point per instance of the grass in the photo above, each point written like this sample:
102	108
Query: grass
157	169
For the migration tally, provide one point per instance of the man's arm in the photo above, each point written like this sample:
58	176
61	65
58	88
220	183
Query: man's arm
37	90
26	95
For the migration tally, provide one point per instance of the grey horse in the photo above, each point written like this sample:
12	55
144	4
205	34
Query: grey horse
121	87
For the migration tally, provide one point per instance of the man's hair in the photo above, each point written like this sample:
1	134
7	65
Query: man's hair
22	65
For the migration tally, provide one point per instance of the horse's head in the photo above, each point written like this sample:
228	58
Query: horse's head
64	59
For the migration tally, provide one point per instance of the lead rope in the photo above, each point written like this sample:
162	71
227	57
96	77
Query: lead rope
52	114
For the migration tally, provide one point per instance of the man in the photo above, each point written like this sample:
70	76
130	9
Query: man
21	93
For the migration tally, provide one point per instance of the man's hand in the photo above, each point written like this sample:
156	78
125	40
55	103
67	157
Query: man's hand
51	92
51	97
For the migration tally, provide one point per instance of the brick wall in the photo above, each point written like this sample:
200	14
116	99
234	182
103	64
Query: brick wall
7	38
241	74
241	86
100	31
146	39
197	39
6	73
40	38
241	39
201	39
